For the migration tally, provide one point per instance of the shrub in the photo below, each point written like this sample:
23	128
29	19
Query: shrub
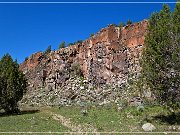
70	44
78	42
76	69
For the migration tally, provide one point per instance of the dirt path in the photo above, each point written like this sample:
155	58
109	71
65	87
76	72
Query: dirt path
75	128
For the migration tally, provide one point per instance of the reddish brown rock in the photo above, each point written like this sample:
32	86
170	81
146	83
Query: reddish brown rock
106	58
32	61
134	34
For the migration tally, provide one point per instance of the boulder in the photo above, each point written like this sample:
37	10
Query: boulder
148	127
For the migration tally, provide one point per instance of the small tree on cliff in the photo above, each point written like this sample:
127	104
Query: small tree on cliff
62	45
70	44
13	84
92	34
121	24
129	22
160	56
48	50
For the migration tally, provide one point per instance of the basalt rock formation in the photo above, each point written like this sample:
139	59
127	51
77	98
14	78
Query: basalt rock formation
85	71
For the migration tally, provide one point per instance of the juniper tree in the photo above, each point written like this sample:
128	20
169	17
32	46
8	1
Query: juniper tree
13	84
160	56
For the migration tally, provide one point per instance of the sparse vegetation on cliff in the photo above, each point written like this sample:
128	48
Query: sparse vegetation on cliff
62	45
92	34
70	44
48	50
26	58
121	24
76	42
129	22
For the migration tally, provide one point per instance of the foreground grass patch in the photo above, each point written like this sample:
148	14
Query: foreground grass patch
127	120
30	121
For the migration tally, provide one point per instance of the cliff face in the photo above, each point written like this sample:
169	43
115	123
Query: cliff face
106	58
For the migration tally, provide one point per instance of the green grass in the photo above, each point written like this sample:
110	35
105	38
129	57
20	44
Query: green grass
104	119
30	121
127	120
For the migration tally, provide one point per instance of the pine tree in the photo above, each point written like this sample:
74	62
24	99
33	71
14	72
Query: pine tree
48	50
13	84
129	22
62	45
157	58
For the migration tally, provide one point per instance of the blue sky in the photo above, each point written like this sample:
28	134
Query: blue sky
29	28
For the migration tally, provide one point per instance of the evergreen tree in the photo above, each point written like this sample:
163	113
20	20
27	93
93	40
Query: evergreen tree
129	22
13	84
121	24
26	58
62	45
175	56
157	58
48	50
92	34
70	44
79	42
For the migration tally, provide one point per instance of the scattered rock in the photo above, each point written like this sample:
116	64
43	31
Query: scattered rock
148	127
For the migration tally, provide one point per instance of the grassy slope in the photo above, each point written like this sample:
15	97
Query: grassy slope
30	121
104	119
109	119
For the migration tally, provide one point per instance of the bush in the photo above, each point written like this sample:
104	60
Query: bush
77	42
13	84
121	104
76	69
70	44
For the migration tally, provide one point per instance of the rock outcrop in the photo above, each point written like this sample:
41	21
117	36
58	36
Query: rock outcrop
105	59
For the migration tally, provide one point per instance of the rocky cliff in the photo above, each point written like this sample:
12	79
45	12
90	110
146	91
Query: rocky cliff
93	70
